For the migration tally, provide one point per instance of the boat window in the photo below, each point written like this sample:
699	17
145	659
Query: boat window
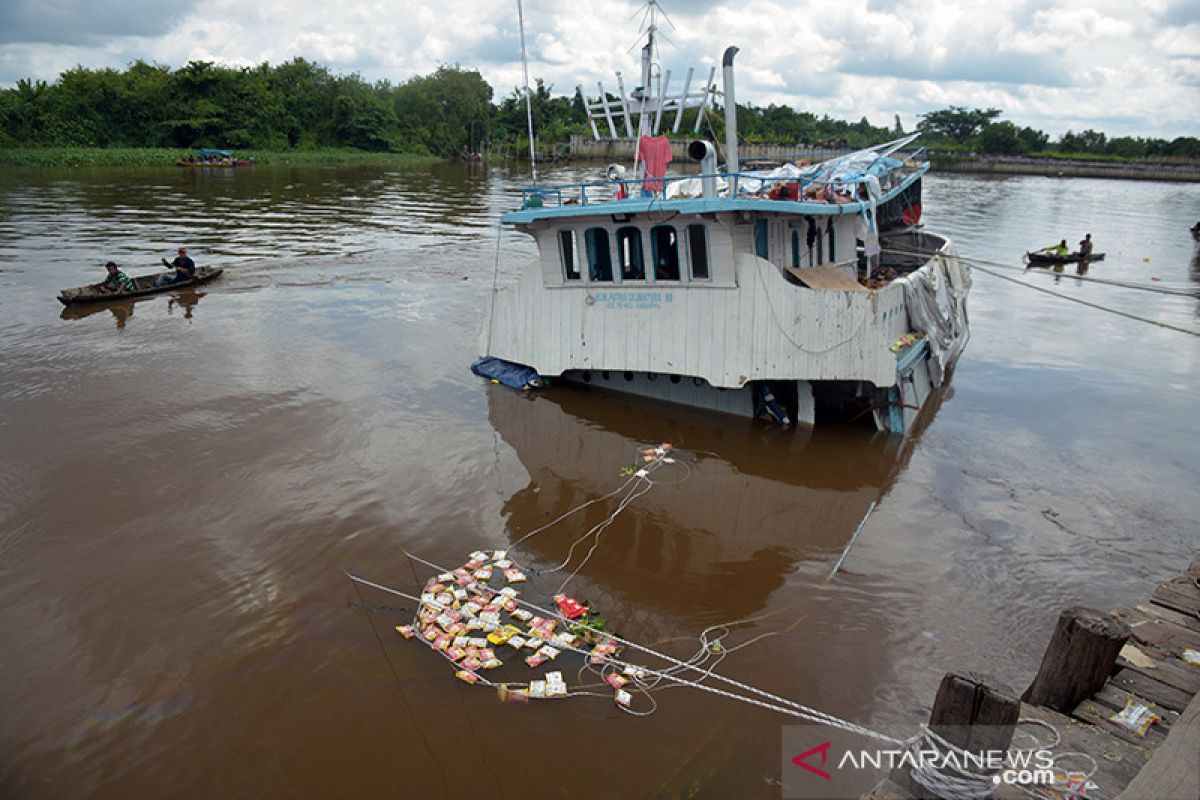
698	251
566	251
664	245
761	248
599	257
830	237
629	254
795	248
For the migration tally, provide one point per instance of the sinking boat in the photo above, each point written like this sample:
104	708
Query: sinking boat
770	294
143	286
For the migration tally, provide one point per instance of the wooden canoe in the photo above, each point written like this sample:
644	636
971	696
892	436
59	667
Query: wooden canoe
142	286
1044	260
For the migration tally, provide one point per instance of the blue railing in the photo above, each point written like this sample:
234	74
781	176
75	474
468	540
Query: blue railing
747	185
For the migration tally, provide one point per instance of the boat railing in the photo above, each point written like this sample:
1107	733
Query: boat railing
743	185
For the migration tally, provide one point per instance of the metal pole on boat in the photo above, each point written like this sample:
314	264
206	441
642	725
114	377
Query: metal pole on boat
731	131
528	100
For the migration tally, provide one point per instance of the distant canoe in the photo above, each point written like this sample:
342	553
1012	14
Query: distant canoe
1044	260
142	286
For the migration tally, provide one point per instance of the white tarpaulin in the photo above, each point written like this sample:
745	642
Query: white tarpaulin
936	297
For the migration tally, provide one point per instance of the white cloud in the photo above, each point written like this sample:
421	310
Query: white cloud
1052	64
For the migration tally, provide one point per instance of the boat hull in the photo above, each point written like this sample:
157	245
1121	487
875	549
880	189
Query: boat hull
1042	260
144	286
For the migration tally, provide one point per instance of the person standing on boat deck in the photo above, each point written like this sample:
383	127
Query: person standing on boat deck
185	269
117	282
1085	247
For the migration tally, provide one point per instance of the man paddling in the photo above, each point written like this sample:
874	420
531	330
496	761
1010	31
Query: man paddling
1060	250
185	269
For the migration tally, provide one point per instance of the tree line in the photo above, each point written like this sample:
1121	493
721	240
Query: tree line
301	104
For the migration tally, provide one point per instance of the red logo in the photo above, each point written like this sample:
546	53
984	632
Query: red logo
823	749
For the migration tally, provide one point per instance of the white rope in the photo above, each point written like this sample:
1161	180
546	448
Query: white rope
975	264
1145	287
777	703
946	777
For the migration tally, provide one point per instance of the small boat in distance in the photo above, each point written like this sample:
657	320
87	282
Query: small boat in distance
210	157
142	286
1039	259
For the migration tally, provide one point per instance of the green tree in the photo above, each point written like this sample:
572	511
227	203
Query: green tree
956	123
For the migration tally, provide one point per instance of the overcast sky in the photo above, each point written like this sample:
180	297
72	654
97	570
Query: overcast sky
1118	66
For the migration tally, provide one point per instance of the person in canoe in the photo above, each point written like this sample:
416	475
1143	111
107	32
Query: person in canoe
1059	250
117	282
1085	248
185	269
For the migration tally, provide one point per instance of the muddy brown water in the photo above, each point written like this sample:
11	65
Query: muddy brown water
185	479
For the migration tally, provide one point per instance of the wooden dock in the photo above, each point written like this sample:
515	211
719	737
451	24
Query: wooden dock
1094	665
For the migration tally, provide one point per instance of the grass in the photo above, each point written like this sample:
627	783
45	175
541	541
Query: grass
158	156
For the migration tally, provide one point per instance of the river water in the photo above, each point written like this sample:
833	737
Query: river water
185	479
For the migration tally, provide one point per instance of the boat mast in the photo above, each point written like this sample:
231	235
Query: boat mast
528	100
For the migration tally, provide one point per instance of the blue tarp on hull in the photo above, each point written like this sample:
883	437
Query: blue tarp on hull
514	376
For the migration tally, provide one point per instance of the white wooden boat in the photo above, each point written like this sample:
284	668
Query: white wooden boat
726	292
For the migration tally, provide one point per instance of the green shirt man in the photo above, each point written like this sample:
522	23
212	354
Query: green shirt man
116	282
1061	250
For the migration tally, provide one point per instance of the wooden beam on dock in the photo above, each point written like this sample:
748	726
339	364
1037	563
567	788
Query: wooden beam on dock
1078	660
971	711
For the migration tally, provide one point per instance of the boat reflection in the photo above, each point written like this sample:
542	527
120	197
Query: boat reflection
122	310
747	506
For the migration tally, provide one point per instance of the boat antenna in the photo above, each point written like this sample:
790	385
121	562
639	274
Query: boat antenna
528	99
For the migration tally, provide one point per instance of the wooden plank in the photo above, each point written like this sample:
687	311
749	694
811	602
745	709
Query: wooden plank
1174	771
1152	632
886	790
1181	593
826	278
1171	671
1152	689
1176	595
1192	623
1097	714
1117	761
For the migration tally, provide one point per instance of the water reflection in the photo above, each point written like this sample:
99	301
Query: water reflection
121	310
185	301
746	506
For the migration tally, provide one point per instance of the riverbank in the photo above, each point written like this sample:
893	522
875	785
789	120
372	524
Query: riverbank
586	148
157	156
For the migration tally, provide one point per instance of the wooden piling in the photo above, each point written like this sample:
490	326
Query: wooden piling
1080	657
973	712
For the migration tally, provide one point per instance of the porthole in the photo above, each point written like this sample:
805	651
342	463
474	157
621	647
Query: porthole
628	375
674	379
587	377
604	374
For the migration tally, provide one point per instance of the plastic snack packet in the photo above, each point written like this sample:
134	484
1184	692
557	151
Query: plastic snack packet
535	660
407	631
623	698
1135	717
616	681
569	607
467	675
